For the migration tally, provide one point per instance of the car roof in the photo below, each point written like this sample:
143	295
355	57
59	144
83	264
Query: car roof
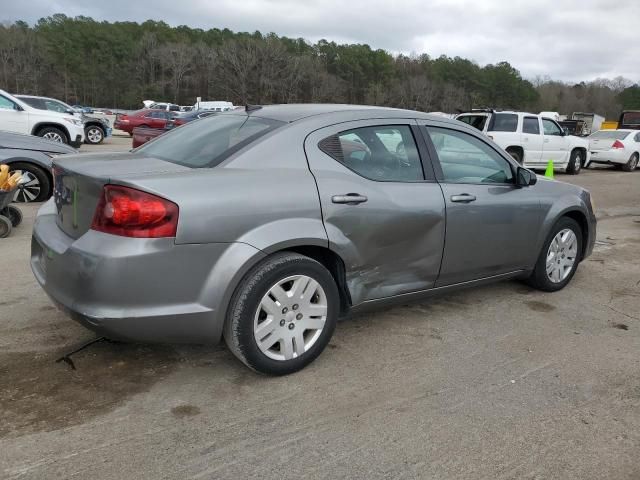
295	112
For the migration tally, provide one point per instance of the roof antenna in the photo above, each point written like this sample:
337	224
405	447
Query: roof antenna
250	108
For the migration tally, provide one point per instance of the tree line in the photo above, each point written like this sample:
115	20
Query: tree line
118	64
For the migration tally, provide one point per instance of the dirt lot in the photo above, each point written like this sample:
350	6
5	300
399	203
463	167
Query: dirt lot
500	382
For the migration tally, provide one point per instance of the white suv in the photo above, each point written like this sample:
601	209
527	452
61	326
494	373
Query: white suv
17	116
531	139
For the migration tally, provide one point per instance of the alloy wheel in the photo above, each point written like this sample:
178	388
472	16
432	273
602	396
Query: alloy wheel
56	137
562	255
290	317
94	134
29	190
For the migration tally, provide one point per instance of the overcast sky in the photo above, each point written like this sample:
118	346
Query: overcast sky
569	40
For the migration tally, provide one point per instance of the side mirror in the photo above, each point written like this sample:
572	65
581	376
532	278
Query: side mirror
525	177
18	108
565	131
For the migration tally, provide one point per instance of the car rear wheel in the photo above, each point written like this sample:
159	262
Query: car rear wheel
94	135
54	134
36	186
559	257
283	314
575	162
631	165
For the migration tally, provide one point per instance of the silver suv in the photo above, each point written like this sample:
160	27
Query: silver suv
264	226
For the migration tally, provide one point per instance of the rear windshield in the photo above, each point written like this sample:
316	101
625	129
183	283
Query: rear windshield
208	142
504	122
610	135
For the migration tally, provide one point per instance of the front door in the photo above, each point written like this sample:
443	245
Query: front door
382	215
12	118
555	144
492	225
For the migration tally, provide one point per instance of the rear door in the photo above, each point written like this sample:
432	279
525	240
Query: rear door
11	118
492	225
555	145
383	216
532	141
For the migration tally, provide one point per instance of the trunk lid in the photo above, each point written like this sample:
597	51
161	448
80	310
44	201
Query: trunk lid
79	180
601	144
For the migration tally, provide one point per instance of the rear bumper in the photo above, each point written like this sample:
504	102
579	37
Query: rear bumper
146	290
616	157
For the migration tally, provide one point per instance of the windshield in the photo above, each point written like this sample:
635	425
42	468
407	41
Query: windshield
610	135
631	118
208	142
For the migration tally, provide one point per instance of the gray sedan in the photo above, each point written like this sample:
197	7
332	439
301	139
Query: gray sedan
264	226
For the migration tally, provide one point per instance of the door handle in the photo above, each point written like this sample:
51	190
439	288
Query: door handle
463	198
546	140
349	199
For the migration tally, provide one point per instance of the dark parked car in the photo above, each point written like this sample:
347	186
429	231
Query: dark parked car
263	226
143	118
183	118
95	129
142	135
32	155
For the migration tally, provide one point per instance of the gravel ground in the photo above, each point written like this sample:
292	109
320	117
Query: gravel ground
500	382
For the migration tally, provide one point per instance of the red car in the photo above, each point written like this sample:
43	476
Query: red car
143	118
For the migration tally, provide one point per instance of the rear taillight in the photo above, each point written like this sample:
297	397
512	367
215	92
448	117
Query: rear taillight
617	144
129	212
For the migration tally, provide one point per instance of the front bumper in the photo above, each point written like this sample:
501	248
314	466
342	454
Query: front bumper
146	290
77	142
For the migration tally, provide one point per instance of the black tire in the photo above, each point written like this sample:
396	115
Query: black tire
32	193
575	162
539	278
96	132
14	214
516	154
238	328
5	227
631	165
53	131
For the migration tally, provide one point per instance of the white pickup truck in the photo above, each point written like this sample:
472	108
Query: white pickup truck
17	116
531	139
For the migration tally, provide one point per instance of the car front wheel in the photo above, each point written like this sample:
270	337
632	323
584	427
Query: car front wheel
575	162
94	135
35	187
283	314
559	257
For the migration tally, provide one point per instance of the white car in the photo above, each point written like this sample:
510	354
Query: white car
532	140
17	116
616	147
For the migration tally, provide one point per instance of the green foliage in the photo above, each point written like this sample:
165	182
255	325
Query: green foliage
630	98
118	64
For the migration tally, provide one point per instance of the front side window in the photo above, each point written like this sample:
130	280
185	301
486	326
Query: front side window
380	153
531	125
6	104
504	122
467	159
551	128
208	142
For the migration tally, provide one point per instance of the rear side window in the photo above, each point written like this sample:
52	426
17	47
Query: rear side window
208	142
476	121
609	135
504	122
380	153
531	125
